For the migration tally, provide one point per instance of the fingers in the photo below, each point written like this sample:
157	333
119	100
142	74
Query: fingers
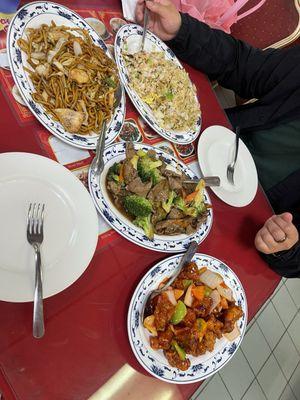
284	223
287	217
139	11
261	245
157	8
277	232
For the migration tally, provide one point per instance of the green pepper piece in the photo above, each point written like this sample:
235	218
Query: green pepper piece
208	291
186	283
201	326
179	313
180	351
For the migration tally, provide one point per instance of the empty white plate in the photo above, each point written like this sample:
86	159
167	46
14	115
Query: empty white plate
70	226
215	152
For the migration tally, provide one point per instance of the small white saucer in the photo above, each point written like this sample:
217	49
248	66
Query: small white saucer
215	152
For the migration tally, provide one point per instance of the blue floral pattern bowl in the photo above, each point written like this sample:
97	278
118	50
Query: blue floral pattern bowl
33	15
168	244
133	34
154	361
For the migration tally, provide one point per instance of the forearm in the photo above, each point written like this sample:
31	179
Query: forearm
286	263
250	72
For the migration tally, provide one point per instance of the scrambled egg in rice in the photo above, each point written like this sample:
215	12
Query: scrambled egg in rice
165	88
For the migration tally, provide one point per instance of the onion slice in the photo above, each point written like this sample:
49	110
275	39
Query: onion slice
235	333
171	296
188	298
216	298
77	48
225	291
211	279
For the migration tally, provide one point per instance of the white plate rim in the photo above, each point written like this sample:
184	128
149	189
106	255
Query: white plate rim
232	198
136	235
172	136
83	198
15	31
134	318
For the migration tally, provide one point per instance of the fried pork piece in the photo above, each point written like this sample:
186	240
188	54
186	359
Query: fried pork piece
163	311
202	307
175	361
230	316
189	318
189	272
209	340
215	326
70	119
162	340
188	339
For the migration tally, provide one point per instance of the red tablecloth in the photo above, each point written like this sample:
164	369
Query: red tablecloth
85	347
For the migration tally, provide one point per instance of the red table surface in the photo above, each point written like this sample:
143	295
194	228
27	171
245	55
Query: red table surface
86	348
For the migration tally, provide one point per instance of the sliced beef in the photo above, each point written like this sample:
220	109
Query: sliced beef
167	172
138	187
158	215
175	183
173	226
159	192
130	152
114	187
130	173
189	187
175	214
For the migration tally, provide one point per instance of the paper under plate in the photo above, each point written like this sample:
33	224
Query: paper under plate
215	152
70	226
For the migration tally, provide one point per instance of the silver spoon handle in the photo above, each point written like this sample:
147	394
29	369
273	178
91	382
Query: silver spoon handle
186	258
146	14
99	165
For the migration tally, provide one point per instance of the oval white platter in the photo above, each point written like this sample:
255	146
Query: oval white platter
32	15
168	244
154	361
130	36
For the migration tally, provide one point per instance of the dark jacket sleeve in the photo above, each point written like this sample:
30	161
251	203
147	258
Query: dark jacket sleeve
250	72
285	263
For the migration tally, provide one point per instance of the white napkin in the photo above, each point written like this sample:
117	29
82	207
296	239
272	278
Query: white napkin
129	9
4	60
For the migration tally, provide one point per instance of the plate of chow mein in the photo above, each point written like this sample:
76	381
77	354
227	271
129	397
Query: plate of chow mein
65	74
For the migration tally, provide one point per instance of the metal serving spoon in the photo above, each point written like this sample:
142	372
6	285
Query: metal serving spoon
97	165
186	258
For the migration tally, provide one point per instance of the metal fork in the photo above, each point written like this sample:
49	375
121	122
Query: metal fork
146	15
231	166
35	236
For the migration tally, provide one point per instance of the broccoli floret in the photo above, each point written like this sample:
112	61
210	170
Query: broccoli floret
145	224
198	202
192	210
155	176
179	203
137	206
166	205
113	172
145	165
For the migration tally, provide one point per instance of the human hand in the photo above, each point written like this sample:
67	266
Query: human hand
277	234
164	19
